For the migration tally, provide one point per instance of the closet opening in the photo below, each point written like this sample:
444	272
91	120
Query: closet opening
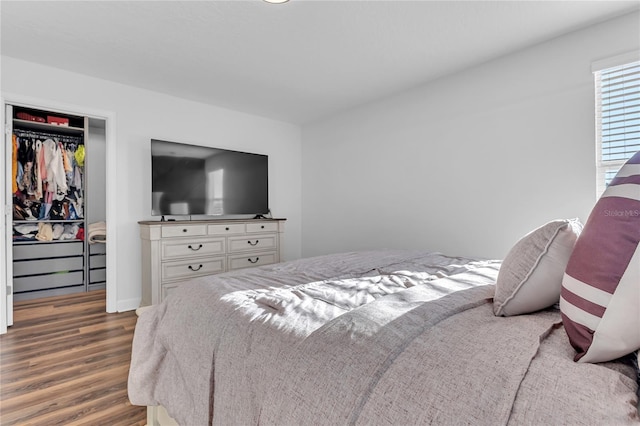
58	199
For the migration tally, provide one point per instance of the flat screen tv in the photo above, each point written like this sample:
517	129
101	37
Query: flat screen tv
198	180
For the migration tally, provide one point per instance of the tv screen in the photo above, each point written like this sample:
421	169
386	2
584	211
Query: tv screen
198	180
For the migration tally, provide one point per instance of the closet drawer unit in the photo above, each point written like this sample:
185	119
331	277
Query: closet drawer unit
184	231
253	243
45	250
97	276
262	227
97	261
47	266
184	269
98	249
227	229
176	249
250	260
43	282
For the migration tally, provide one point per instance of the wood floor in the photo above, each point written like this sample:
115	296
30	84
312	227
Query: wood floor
65	361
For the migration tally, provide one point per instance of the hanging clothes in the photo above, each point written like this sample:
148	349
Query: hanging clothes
14	164
38	169
55	167
46	177
26	157
80	155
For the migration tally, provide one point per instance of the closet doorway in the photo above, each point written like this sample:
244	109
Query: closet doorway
55	265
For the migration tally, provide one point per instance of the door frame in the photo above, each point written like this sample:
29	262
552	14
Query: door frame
110	190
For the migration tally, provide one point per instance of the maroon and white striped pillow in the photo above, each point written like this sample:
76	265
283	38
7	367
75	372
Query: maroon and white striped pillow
600	297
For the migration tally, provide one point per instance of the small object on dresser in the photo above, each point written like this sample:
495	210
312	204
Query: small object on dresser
58	121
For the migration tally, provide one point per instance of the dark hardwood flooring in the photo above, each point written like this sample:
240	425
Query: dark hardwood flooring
65	361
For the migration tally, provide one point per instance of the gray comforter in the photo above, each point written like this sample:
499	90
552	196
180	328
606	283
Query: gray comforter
386	337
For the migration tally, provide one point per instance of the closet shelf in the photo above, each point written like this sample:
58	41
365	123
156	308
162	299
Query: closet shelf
34	241
49	221
34	125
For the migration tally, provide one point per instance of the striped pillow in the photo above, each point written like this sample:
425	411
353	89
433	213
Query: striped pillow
600	297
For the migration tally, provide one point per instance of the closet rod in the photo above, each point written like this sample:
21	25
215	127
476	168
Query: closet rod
47	135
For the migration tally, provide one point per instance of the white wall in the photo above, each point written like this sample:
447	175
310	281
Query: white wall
466	164
96	173
142	115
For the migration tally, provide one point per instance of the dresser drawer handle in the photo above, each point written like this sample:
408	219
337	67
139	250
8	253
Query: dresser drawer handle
197	248
253	244
184	230
226	229
253	261
195	269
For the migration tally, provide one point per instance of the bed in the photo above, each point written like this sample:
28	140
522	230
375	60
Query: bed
548	335
377	337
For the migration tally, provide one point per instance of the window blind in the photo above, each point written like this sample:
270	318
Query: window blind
617	118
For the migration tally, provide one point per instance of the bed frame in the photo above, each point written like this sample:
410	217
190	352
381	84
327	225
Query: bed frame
158	416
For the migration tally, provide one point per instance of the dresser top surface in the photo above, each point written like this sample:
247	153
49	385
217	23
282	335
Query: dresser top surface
206	221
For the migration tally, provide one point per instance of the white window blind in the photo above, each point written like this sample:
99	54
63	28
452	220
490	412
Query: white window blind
617	119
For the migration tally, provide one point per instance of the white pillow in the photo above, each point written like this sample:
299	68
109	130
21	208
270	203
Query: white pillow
530	278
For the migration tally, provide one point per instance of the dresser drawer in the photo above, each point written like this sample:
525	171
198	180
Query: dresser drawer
262	227
253	243
167	289
227	229
184	269
192	247
250	260
170	231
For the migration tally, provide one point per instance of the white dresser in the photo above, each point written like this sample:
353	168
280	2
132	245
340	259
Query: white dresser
174	252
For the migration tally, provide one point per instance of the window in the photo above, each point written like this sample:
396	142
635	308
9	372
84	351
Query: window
617	117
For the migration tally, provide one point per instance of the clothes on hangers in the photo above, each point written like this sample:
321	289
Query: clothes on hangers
55	168
14	164
46	170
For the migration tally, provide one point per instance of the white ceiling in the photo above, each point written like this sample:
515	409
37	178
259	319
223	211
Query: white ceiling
296	62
